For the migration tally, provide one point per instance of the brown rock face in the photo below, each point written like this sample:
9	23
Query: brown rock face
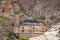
7	7
41	7
25	1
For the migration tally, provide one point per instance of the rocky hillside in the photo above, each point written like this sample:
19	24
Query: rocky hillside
41	7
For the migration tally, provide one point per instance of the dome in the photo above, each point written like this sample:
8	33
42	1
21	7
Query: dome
30	20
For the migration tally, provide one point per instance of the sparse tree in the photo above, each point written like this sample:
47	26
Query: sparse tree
10	37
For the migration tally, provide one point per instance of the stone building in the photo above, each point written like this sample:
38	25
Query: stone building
31	27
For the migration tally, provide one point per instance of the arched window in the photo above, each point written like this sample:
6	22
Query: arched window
33	29
42	27
22	29
12	24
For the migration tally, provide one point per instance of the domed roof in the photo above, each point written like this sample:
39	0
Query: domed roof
30	20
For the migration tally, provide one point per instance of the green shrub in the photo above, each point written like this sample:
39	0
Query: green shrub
42	17
21	8
10	37
4	18
0	0
23	38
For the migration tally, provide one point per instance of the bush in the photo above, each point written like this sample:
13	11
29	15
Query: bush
4	18
0	0
23	38
10	37
52	17
42	17
21	8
